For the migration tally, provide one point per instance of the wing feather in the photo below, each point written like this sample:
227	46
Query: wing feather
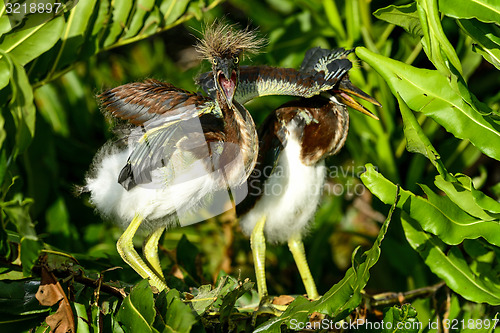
164	116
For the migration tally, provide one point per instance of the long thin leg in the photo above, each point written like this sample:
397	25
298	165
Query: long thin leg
150	251
258	245
126	249
297	248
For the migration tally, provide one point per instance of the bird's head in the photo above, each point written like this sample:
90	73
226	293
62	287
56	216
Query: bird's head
346	89
224	45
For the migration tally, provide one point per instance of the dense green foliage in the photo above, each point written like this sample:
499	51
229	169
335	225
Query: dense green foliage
432	64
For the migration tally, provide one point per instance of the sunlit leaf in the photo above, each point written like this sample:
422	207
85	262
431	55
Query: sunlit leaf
173	314
435	43
137	311
27	44
429	92
451	267
487	37
436	214
121	12
483	10
402	320
404	16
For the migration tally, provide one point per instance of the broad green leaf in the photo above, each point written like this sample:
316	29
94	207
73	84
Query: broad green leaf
206	296
137	311
437	47
417	142
74	33
342	298
460	193
402	320
52	110
4	25
334	18
26	45
451	267
172	9
405	16
436	214
20	311
141	9
483	10
3	135
21	106
82	318
229	300
30	251
173	314
487	37
121	12
429	92
5	72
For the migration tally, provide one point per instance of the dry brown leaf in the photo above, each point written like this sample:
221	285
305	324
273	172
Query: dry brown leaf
49	293
283	300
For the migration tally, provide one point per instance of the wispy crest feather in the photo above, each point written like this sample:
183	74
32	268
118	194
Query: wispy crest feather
226	40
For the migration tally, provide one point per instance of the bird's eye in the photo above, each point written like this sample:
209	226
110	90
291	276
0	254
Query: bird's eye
214	61
236	60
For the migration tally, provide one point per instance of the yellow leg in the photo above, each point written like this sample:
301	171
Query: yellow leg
297	248
126	249
258	244
150	251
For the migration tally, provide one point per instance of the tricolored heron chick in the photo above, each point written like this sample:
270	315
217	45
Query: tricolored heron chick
181	150
286	185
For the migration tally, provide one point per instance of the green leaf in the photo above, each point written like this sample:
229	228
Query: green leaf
186	256
487	37
26	45
82	318
121	12
342	298
436	214
74	34
173	314
429	92
137	311
402	320
205	298
451	267
417	142
483	10
30	251
21	104
141	9
229	300
437	47
460	193
334	18
405	16
19	309
172	9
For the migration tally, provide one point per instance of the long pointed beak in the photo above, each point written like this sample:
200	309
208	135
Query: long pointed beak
346	88
227	80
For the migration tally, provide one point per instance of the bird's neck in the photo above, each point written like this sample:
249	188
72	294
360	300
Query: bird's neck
240	131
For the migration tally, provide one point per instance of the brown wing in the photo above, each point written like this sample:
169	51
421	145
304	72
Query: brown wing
164	117
140	102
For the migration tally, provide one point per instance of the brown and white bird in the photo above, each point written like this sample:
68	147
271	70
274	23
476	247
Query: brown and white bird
286	185
182	151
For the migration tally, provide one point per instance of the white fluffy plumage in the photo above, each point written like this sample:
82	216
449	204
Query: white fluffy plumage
160	205
290	199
